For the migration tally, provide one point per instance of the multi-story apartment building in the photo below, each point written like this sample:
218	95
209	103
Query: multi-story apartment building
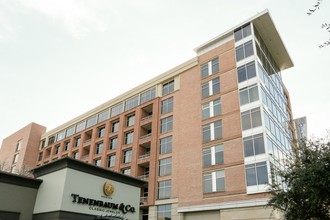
206	134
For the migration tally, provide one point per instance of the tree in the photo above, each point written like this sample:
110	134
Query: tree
307	179
22	170
3	166
315	7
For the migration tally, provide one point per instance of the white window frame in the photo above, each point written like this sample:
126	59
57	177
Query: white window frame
210	67
213	151
211	107
214	178
211	129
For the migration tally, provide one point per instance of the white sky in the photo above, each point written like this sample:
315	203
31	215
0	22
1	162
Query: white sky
61	58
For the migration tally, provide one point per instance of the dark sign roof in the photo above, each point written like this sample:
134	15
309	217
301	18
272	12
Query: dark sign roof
74	164
18	180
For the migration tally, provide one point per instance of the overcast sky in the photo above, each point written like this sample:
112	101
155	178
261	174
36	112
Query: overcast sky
61	58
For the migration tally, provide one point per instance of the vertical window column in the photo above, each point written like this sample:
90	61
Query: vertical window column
214	181
210	68
211	87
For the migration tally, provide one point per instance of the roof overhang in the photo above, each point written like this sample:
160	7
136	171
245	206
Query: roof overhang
273	41
267	30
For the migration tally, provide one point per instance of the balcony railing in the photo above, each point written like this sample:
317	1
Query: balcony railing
143	177
145	136
87	141
146	118
144	156
85	157
143	199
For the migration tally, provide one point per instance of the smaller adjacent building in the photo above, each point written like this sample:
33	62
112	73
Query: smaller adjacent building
70	189
19	151
300	125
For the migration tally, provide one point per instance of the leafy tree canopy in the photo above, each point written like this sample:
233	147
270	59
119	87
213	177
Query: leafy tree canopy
307	178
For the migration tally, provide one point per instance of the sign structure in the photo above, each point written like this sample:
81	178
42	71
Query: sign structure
113	210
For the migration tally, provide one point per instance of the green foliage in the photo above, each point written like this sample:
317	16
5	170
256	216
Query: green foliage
307	195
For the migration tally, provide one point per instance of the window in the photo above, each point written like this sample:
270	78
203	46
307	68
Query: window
40	156
131	103
15	158
99	148
60	136
113	143
14	169
111	160
256	174
254	145
213	155
51	140
275	151
70	131
251	119
165	145
165	166
127	156
164	212
210	68
81	126
212	131
104	116
97	162
115	126
166	124
164	189
214	181
42	143
91	121
247	71
66	145
242	32
127	171
248	94
129	137
101	132
130	120
116	110
75	154
167	106
215	65
168	88
147	95
243	51
19	145
57	149
211	87
77	141
211	109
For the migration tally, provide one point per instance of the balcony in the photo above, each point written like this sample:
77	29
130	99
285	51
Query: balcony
85	157
144	156
146	118
143	199
87	142
145	136
144	177
145	132
146	113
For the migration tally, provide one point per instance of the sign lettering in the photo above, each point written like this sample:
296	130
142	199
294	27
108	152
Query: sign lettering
98	203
